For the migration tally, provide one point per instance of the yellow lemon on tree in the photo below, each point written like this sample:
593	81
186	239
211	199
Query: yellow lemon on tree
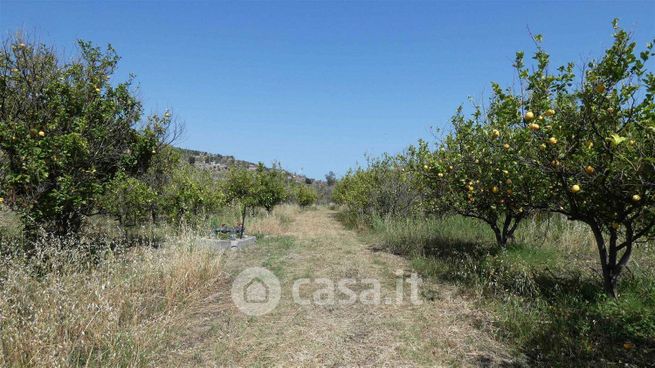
549	112
542	146
528	116
534	126
495	133
494	189
589	170
2	200
506	146
636	198
440	175
575	188
552	140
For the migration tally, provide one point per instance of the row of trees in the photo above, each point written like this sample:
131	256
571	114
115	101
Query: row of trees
74	144
582	145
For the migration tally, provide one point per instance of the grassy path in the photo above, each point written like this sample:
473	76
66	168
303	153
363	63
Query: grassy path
445	330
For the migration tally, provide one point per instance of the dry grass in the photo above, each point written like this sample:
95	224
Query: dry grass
57	309
278	222
444	331
172	307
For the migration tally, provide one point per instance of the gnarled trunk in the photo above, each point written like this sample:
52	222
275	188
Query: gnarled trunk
504	234
608	250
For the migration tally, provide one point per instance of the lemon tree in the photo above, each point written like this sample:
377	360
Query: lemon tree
596	145
384	188
270	186
476	171
65	131
305	195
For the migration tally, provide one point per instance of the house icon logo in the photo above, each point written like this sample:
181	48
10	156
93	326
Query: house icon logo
256	291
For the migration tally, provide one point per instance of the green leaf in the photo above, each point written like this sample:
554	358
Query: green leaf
616	139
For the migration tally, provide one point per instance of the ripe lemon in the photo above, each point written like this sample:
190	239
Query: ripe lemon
589	170
494	189
549	112
41	133
575	188
636	198
552	140
440	175
528	116
534	127
506	146
495	133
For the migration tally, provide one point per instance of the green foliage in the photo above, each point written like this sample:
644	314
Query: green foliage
305	195
585	150
129	199
252	189
66	131
597	151
384	188
270	187
191	194
331	178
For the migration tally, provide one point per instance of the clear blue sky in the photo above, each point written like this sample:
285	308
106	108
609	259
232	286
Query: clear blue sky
316	85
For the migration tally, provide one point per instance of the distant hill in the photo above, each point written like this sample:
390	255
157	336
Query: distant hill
217	164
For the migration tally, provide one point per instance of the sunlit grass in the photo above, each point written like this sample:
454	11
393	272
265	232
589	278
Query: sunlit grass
545	287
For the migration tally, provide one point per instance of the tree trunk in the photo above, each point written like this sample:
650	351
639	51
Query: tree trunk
611	265
501	240
507	232
243	221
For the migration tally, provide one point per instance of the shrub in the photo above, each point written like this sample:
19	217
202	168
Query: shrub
65	132
305	195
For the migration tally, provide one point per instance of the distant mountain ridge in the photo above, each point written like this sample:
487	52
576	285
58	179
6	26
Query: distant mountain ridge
217	163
